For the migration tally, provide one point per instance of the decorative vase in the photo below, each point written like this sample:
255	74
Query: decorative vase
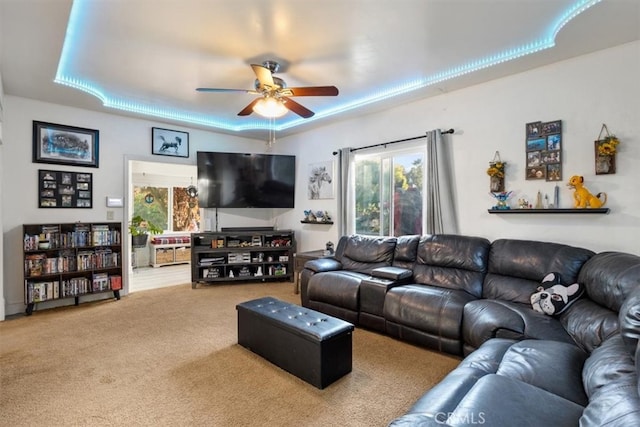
139	241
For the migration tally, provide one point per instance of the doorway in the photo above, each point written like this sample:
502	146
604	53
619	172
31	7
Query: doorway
159	191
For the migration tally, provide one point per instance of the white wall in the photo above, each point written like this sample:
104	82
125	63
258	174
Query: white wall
121	141
583	92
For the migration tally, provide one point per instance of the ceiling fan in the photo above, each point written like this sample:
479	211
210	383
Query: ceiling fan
275	99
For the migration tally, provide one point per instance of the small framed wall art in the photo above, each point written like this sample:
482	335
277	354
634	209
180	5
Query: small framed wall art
320	180
62	189
65	145
606	147
543	146
166	142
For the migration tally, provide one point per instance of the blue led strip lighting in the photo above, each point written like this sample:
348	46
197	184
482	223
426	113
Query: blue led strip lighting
74	31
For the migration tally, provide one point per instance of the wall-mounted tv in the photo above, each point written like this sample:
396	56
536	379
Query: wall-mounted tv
242	180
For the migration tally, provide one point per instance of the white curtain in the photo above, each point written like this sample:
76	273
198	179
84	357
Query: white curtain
343	217
441	214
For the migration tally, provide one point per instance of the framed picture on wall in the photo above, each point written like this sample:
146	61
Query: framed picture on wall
167	142
62	189
65	145
543	148
320	180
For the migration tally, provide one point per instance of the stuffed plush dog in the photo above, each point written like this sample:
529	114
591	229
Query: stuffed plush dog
553	298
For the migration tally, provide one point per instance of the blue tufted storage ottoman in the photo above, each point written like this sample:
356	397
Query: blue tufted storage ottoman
309	344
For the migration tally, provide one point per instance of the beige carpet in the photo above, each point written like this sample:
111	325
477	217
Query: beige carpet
169	357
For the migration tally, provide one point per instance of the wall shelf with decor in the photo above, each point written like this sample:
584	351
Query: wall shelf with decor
71	260
305	221
549	211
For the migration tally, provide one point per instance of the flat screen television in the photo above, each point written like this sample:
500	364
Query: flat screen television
242	180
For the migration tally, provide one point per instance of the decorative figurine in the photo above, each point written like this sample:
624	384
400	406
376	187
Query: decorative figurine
309	215
329	248
582	197
502	198
523	204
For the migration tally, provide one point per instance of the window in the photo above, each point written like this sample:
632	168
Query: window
158	204
388	194
152	204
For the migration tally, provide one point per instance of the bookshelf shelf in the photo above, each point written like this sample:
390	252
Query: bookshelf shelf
248	255
70	260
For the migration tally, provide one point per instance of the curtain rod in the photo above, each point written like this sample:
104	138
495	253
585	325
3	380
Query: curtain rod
398	140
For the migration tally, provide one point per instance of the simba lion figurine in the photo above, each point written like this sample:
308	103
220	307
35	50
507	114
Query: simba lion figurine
582	197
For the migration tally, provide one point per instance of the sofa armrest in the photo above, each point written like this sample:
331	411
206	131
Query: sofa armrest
323	264
486	318
374	290
392	273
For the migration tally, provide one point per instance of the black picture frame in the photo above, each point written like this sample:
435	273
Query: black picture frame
65	189
534	129
543	151
167	142
65	145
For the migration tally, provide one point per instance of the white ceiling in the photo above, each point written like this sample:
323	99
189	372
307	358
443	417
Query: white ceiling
149	55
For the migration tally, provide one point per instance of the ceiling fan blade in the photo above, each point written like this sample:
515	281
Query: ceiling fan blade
264	77
213	89
310	91
249	108
300	110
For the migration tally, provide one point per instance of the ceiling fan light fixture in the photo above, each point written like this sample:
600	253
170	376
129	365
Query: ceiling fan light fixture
270	107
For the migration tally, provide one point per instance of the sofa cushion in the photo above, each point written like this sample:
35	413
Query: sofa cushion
629	317
406	251
451	261
445	396
496	400
609	279
516	267
434	311
505	382
365	253
554	297
589	324
611	382
338	288
550	365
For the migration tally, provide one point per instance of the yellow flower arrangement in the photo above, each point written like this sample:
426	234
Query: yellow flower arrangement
608	146
496	169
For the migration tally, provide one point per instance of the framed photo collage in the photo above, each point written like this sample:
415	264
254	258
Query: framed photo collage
544	150
61	189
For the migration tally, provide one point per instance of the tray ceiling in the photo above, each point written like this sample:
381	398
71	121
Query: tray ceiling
145	58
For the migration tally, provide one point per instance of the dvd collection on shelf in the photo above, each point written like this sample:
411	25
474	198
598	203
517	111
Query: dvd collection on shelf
246	254
71	260
81	235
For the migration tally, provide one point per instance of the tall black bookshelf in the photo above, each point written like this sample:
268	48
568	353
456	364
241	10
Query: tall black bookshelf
71	260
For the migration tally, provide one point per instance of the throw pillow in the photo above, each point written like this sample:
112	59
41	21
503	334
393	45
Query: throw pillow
553	297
